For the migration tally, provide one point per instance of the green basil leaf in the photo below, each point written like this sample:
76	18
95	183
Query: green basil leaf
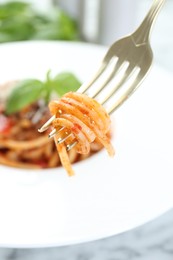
25	93
65	82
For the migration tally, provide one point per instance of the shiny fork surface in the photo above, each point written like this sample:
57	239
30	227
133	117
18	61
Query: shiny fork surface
122	70
136	52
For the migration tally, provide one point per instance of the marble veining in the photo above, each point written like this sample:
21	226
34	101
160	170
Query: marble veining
152	241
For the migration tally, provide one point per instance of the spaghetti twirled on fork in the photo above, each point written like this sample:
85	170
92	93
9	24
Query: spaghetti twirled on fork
79	119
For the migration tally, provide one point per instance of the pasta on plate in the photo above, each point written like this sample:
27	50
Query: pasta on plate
22	146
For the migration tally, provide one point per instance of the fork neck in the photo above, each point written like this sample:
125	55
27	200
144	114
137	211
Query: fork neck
141	35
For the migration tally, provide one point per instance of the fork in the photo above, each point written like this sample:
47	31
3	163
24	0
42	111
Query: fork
122	70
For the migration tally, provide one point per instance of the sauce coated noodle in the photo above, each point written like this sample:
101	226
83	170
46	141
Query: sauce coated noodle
86	120
22	146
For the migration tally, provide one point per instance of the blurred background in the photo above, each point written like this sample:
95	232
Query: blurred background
98	21
94	21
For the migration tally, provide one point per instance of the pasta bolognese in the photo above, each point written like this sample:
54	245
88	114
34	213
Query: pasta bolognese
22	146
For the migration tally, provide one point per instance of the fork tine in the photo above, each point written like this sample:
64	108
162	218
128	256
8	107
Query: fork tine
62	139
47	124
52	133
86	85
117	66
134	85
127	73
70	146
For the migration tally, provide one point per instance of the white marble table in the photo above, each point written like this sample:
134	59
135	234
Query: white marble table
152	241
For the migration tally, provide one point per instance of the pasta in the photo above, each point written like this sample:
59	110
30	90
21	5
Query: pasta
22	146
86	121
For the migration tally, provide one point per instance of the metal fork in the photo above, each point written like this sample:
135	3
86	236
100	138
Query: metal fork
122	70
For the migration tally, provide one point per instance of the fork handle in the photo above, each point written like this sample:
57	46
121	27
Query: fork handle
141	35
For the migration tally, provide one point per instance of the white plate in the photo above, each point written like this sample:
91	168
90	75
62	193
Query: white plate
106	196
